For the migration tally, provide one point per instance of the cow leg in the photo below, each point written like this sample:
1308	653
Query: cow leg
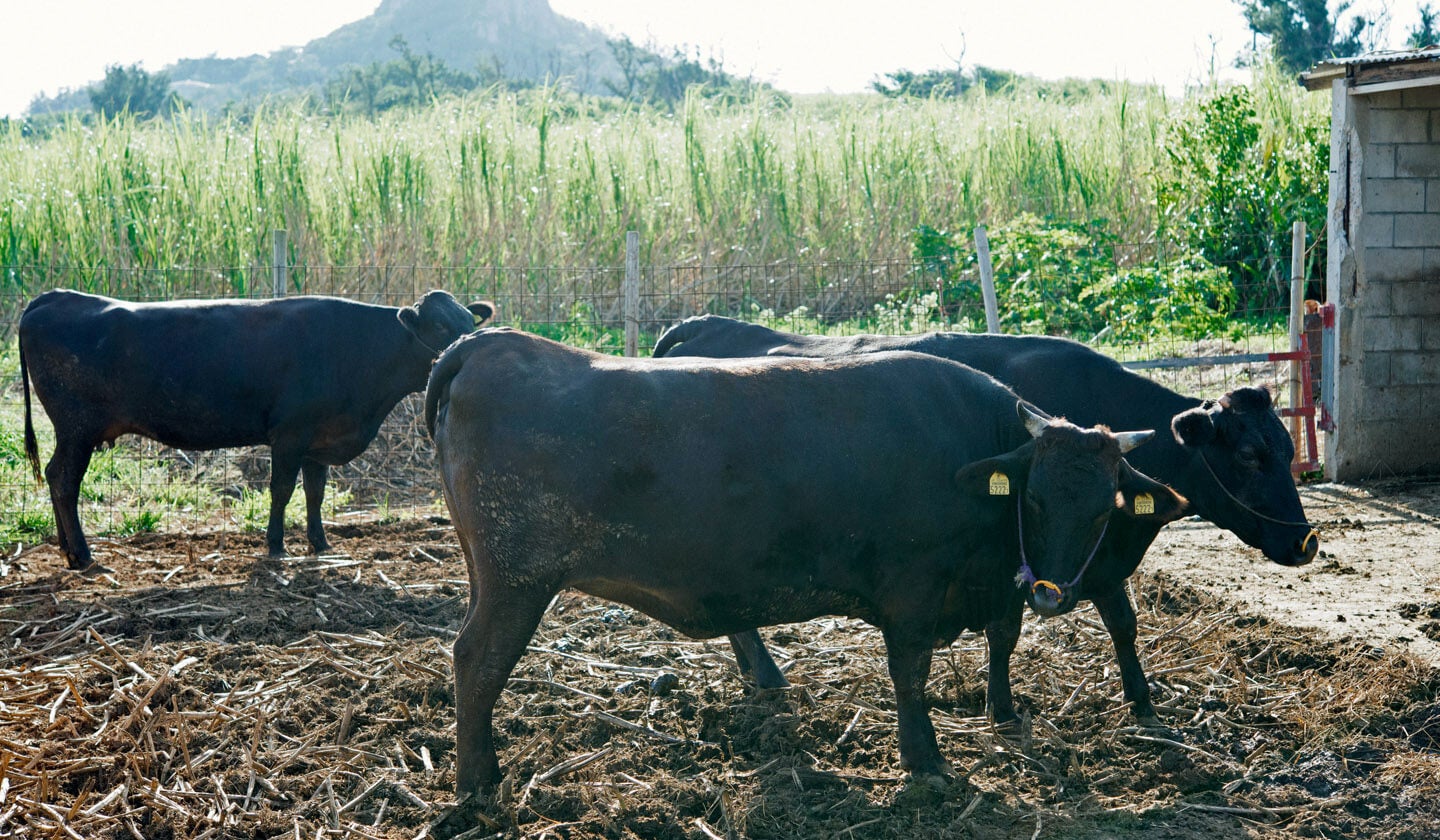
908	655
755	662
63	473
1119	617
497	628
284	469
1001	635
314	474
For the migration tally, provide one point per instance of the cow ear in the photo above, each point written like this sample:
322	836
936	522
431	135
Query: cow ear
1146	499
997	479
410	318
483	310
1195	427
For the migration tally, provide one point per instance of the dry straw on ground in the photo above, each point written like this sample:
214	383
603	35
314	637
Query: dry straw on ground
203	692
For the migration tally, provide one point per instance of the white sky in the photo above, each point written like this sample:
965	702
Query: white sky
801	46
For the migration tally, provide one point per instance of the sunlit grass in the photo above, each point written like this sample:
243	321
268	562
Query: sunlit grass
509	179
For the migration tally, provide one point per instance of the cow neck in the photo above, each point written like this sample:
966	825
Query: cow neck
1231	496
1026	577
434	353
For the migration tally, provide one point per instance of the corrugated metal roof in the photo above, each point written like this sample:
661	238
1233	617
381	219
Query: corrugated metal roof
1383	57
1373	66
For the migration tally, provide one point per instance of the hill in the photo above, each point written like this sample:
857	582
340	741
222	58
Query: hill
514	39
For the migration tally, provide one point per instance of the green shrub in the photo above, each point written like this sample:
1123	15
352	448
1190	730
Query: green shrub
1188	299
1244	165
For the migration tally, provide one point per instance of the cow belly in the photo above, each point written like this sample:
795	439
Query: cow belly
339	439
177	433
707	615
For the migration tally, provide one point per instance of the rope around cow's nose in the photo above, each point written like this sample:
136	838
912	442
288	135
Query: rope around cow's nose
1304	544
1026	576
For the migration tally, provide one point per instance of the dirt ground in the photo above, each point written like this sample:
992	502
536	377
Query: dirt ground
204	691
1377	579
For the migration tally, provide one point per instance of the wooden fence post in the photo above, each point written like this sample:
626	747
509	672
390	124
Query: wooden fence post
1297	320
987	280
280	263
632	293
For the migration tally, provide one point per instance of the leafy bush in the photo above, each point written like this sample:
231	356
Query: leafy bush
1244	166
1059	277
1041	268
1186	298
909	314
798	320
584	327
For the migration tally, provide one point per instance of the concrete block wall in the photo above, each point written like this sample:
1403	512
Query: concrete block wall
1388	406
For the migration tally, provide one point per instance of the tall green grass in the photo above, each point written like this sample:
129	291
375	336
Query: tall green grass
537	179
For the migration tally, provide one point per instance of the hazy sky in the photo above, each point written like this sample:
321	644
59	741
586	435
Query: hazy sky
799	45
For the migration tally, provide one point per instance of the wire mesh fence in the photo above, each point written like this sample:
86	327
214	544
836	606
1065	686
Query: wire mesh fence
141	485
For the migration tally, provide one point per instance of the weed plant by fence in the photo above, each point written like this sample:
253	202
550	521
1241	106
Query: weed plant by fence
139	485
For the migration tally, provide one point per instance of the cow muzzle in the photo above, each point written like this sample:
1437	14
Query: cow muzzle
1302	552
1047	598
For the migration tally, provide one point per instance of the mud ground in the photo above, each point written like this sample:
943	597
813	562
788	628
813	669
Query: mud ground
202	690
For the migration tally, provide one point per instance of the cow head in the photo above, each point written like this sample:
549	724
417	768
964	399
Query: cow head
1241	458
1058	492
438	319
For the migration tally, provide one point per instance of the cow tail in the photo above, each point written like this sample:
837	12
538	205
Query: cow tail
682	331
438	391
32	449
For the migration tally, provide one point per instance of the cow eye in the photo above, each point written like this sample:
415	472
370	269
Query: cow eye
1248	456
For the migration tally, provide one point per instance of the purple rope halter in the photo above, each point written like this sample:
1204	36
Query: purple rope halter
1026	577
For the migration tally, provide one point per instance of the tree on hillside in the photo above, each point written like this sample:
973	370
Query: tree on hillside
1302	32
949	83
931	84
660	80
1424	33
131	89
408	81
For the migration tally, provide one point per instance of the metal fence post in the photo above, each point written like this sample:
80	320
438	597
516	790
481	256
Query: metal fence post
279	264
1297	321
987	280
632	293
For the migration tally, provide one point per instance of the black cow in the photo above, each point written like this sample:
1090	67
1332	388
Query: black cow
313	377
718	496
1230	458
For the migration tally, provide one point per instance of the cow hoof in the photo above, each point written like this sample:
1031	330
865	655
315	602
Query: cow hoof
1010	730
771	682
93	570
462	817
926	788
1153	726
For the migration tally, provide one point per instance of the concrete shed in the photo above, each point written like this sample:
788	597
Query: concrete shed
1383	264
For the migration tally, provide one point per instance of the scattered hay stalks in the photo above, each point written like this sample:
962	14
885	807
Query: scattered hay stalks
107	730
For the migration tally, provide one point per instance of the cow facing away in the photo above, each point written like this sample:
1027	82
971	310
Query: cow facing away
718	496
1230	458
312	377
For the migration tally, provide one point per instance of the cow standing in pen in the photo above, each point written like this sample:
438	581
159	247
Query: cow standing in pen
911	492
1230	458
312	377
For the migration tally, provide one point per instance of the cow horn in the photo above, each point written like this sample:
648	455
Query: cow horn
1130	440
1036	421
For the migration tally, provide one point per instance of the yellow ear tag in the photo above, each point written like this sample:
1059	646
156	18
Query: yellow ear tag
999	484
1144	503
